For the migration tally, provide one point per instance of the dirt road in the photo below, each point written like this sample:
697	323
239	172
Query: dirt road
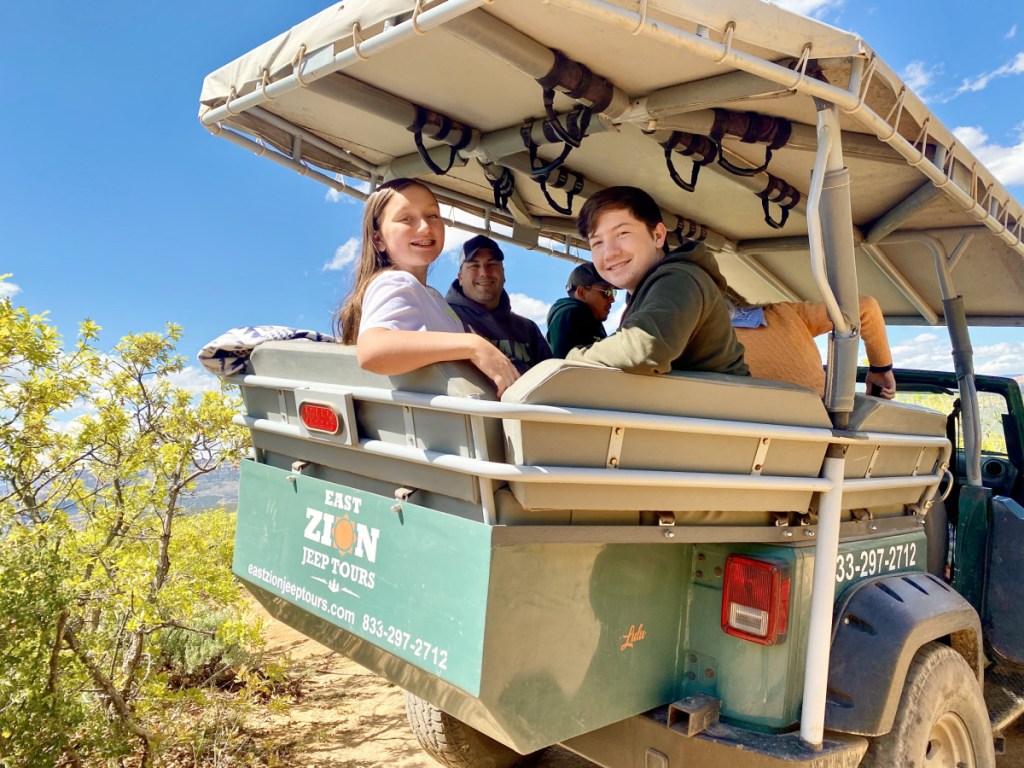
349	717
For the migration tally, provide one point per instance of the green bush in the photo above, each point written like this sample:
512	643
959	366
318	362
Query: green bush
108	588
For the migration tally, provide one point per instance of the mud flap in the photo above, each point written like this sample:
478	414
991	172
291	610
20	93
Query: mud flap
880	626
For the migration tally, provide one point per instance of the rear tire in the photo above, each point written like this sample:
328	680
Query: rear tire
453	743
941	722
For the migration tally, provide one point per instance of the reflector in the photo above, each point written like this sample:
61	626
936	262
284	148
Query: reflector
319	417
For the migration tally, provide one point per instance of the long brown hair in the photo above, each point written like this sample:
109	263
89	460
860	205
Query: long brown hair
371	261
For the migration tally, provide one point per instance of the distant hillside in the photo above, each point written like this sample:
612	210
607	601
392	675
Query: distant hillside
215	489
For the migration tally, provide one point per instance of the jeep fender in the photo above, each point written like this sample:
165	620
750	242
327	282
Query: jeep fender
880	625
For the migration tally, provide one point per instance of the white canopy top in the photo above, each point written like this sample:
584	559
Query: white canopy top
341	95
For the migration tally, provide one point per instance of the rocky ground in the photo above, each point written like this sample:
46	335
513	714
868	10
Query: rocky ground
348	717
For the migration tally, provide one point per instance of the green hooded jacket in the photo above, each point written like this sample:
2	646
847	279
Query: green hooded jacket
676	320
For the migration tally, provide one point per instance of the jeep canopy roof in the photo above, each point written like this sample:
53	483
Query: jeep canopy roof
641	94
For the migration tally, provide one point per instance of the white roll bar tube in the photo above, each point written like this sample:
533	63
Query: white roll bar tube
830	236
823	592
826	137
960	340
840	382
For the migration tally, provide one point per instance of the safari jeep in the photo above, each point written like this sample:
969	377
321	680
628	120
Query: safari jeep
654	572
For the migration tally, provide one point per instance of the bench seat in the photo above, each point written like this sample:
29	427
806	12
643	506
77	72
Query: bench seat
698	396
731	441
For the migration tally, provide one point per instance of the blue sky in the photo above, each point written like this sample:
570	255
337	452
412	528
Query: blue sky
120	207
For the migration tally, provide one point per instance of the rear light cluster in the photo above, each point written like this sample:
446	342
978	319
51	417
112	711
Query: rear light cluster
755	600
320	417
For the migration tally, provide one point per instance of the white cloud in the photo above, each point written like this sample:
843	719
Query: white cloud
919	77
8	290
931	351
1006	163
1011	33
195	380
809	7
455	236
999	359
529	307
345	255
926	350
979	83
69	422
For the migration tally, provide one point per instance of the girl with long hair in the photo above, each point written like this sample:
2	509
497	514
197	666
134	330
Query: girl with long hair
398	322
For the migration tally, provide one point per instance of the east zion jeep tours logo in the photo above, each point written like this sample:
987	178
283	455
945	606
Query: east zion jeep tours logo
346	536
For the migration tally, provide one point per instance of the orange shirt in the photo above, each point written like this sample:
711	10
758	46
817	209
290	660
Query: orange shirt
784	349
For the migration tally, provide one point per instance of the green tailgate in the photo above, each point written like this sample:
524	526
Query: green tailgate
388	573
530	640
519	632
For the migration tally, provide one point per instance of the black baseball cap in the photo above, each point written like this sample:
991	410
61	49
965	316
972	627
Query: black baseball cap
479	243
585	275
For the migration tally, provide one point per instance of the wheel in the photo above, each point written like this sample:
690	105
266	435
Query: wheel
453	743
941	722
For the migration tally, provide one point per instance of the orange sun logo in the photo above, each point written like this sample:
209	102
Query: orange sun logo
344	535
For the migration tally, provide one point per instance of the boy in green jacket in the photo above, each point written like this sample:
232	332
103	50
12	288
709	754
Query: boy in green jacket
676	317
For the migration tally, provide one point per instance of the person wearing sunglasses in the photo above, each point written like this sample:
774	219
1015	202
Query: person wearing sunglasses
676	317
576	321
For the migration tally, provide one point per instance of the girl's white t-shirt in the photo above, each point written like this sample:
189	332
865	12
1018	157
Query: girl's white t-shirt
396	300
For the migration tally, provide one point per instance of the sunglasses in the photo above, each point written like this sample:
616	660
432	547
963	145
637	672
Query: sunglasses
608	293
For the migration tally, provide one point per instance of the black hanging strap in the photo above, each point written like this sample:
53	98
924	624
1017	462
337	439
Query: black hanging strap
576	121
700	149
782	194
442	126
594	94
526	132
750	128
687	231
503	186
562	182
578	82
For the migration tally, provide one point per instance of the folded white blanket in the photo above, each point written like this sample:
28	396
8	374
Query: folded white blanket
227	354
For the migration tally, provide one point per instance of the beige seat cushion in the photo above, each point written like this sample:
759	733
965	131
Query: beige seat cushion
873	414
699	395
336	364
309	363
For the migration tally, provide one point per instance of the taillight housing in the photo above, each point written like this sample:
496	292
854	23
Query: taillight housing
319	417
755	599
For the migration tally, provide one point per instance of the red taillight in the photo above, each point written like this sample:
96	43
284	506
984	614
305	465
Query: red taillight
755	600
320	417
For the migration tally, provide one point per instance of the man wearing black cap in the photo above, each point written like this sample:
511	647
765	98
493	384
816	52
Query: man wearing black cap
478	297
575	321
